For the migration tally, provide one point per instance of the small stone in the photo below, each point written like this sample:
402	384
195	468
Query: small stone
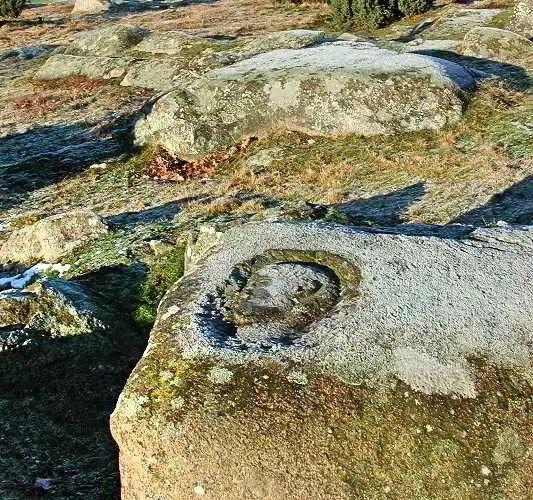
429	428
199	490
485	471
42	483
297	377
219	375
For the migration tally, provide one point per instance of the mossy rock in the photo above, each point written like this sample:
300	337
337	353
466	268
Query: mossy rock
330	90
399	371
499	45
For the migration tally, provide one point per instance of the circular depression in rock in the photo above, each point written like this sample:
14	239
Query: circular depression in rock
275	302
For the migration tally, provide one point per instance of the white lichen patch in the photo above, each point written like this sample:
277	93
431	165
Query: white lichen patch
130	405
297	377
220	375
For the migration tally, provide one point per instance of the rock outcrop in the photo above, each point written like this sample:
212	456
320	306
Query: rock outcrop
90	6
137	57
53	308
110	40
456	22
500	45
331	89
271	360
52	238
522	18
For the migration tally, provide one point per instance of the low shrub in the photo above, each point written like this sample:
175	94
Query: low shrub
11	8
374	13
413	7
165	272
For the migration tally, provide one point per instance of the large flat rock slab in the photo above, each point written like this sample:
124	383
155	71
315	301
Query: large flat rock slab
499	45
457	22
309	360
330	89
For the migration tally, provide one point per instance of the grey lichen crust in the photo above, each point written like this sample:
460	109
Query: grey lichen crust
365	306
330	89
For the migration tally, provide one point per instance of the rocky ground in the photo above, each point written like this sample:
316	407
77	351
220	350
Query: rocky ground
134	144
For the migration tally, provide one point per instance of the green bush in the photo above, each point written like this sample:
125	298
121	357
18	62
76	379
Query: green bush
374	13
341	11
11	8
164	273
413	7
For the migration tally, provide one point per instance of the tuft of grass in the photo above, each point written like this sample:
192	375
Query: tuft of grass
461	166
163	274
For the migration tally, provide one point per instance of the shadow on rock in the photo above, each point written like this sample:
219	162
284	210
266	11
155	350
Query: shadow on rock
58	394
383	210
514	205
516	76
161	213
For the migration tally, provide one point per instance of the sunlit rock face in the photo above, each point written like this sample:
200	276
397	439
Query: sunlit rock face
330	89
291	350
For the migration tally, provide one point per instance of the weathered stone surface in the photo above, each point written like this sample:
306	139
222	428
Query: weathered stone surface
457	22
522	18
52	238
498	44
65	308
420	44
65	65
100	53
110	40
53	308
81	6
178	43
246	388
291	39
160	74
332	89
16	307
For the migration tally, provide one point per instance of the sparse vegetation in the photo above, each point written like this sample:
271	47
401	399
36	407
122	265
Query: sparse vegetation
374	13
165	272
11	8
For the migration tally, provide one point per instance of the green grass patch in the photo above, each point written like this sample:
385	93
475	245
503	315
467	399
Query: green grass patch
167	269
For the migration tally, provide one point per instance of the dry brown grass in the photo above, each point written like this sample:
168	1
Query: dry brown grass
48	96
234	17
461	167
225	205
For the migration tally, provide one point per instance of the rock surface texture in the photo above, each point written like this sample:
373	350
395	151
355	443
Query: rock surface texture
51	309
457	22
331	89
52	238
251	384
522	18
138	58
84	6
500	45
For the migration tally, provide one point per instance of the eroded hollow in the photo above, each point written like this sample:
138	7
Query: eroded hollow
269	302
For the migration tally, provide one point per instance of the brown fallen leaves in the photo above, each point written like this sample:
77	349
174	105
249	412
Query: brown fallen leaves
166	167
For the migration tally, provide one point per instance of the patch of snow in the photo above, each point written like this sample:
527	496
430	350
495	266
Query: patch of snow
23	279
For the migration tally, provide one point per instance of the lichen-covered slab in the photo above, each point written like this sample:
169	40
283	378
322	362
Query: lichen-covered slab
522	18
415	308
457	22
112	40
52	238
331	89
65	65
320	361
500	45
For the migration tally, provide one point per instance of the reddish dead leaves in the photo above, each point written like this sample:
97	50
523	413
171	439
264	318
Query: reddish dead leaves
164	166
